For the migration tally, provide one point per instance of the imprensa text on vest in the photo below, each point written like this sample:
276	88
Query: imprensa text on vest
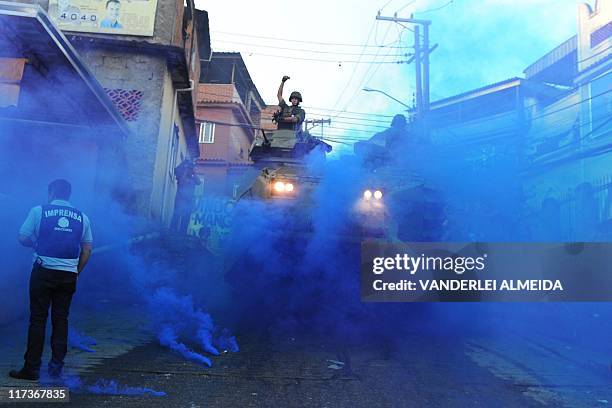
63	213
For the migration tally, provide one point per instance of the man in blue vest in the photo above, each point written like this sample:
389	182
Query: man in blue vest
61	237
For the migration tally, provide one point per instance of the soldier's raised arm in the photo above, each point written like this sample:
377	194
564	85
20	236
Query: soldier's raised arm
279	94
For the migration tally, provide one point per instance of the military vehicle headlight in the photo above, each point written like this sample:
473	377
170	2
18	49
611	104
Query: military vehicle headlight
280	187
378	194
288	187
367	194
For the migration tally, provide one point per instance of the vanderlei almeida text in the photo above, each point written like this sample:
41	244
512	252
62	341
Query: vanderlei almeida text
458	265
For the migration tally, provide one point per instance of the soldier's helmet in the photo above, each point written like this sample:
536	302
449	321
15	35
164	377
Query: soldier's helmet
398	121
295	94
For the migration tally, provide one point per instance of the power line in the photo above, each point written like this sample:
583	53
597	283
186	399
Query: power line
534	118
505	129
533	166
491	135
406	5
561	149
349	112
367	81
335	141
596	54
357	89
437	8
487	137
362	124
572	105
502	133
308	50
337	61
365	120
351	129
252	127
457	109
363	79
390	45
386	4
327	110
374	25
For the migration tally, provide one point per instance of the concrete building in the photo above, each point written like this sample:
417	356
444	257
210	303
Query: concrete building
228	114
56	120
489	117
553	126
148	66
480	138
569	181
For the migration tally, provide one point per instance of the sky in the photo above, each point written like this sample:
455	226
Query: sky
479	42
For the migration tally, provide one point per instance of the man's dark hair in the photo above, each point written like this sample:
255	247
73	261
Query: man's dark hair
60	188
112	1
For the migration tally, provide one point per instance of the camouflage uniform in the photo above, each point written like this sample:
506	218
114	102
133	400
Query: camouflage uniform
287	111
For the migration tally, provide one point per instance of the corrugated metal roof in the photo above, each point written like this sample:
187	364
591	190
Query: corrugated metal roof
477	92
554	56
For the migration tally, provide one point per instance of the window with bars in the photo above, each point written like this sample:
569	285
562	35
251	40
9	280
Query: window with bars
207	132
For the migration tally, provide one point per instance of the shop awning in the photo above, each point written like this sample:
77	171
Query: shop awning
55	88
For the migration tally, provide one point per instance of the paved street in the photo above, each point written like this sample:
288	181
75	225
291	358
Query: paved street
419	371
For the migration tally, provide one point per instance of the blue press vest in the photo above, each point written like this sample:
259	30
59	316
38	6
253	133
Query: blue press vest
60	232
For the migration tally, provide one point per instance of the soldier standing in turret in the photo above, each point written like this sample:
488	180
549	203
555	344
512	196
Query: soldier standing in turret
291	116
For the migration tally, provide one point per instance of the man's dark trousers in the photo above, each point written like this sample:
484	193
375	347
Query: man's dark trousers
49	287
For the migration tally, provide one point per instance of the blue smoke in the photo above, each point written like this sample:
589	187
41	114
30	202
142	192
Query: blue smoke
107	387
290	270
110	387
80	341
192	323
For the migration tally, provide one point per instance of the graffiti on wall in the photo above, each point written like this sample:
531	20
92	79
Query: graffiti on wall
211	221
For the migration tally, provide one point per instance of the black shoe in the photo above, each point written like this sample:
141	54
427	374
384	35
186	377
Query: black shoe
55	372
23	375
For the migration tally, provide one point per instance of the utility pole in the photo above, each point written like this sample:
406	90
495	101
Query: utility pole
315	122
426	68
417	64
421	61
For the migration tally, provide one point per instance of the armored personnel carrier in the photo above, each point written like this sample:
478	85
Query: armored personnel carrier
280	168
398	201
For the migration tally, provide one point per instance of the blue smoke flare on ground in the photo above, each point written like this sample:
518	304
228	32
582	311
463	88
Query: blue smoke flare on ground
175	317
80	341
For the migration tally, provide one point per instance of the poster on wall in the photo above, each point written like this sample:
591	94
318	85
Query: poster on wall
211	221
127	17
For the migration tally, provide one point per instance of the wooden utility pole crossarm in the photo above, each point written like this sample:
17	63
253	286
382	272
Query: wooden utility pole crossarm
421	60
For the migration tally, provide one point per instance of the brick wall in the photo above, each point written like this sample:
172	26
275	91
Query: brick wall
266	117
221	103
143	73
218	93
220	148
